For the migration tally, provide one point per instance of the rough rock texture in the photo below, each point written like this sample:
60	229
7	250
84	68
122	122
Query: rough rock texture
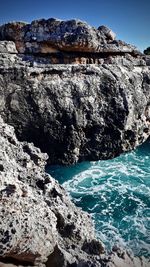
72	112
54	35
8	47
39	225
77	112
64	42
147	59
37	218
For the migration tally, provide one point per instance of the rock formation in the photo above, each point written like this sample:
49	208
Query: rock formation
39	225
147	59
37	218
73	112
70	41
57	35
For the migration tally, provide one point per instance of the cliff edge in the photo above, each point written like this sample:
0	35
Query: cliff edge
78	94
94	107
39	225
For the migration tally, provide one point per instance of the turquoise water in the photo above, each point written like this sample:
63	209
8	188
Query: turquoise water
117	194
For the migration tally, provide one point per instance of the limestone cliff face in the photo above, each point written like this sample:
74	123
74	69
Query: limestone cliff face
68	42
39	225
73	112
76	112
55	35
38	220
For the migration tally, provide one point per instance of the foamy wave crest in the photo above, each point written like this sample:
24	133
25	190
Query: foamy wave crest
117	194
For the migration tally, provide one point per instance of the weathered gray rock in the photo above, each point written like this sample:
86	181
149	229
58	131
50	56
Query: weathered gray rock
74	113
108	32
39	225
77	112
37	218
54	35
147	59
8	47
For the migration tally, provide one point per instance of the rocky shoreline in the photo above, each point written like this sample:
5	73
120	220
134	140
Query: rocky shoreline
73	111
39	225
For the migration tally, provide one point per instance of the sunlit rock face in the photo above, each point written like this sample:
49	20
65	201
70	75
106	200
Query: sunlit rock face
39	225
76	112
54	35
71	41
38	220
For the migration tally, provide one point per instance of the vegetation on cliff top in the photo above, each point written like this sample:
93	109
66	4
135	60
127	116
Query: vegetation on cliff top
147	51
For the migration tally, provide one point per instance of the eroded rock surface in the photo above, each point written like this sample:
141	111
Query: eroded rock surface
65	42
39	225
73	112
37	219
77	112
54	35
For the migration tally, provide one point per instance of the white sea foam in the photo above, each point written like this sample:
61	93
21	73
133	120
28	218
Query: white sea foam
117	194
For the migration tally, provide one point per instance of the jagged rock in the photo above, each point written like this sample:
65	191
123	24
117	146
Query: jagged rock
8	47
108	32
77	112
39	225
37	218
53	36
147	59
73	112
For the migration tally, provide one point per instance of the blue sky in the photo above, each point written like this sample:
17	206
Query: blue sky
129	19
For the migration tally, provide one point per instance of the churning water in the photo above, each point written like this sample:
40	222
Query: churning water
117	194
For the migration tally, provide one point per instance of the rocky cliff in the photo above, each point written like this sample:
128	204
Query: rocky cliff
94	105
39	225
38	220
55	36
73	112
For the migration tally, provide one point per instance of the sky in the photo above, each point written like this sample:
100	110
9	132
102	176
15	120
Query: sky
129	19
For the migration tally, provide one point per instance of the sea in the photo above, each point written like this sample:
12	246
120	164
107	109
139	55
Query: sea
116	193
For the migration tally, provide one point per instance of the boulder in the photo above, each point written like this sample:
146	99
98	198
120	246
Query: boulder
108	32
147	59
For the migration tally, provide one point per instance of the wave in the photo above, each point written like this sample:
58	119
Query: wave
117	194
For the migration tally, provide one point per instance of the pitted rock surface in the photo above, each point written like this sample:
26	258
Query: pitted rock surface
54	35
73	112
39	225
77	112
37	218
8	47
